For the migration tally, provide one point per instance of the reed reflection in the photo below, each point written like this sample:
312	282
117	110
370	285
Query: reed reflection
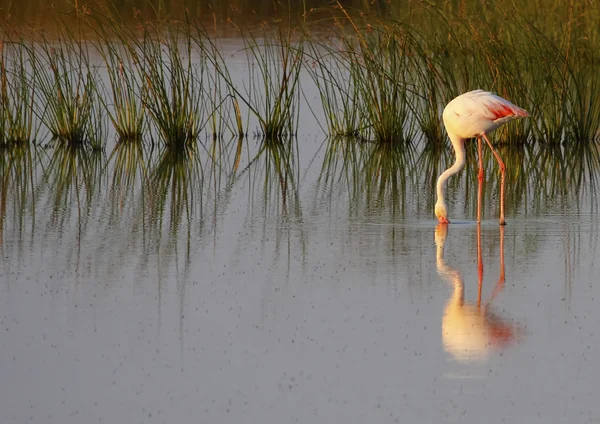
470	330
74	176
274	209
373	175
18	182
129	161
274	173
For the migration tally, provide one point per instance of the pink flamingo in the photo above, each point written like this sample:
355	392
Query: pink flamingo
474	114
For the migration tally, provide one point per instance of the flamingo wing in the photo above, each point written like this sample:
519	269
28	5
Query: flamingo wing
479	111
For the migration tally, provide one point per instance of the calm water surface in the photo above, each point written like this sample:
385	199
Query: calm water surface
245	293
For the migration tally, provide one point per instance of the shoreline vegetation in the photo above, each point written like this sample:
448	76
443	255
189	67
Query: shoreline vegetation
165	93
382	75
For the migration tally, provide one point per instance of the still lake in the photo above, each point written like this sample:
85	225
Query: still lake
318	290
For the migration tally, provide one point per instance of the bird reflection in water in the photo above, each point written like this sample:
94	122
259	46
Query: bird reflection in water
470	331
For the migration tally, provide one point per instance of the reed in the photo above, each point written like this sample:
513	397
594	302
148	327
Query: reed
124	107
272	92
172	76
67	98
340	96
378	67
224	110
17	87
383	75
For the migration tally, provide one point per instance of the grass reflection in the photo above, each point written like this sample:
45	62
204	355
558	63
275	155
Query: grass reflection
376	175
274	204
274	175
539	177
388	173
73	177
129	173
175	187
18	182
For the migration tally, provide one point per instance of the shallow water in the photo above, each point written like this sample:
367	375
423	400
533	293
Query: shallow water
323	307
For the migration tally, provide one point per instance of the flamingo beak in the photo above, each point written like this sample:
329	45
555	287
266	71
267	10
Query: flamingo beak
443	220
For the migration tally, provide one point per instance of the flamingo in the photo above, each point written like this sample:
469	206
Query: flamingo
474	114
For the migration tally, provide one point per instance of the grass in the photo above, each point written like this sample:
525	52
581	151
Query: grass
17	84
173	87
383	76
272	92
67	97
125	109
225	116
339	95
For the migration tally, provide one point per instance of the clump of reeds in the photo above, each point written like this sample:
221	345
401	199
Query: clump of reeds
66	91
17	85
224	112
380	77
374	101
124	107
272	92
583	94
340	96
378	67
173	85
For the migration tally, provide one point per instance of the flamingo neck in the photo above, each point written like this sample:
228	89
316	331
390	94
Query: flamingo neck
449	274
459	150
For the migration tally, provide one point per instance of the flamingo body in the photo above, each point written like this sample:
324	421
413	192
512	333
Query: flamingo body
479	112
473	114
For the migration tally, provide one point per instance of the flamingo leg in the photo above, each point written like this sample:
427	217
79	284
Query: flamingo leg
479	265
480	178
500	283
502	169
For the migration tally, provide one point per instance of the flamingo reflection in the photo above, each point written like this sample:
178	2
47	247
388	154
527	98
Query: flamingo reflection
470	331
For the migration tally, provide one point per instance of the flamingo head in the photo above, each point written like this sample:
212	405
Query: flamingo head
441	213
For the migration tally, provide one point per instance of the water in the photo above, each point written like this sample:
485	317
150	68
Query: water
318	311
321	290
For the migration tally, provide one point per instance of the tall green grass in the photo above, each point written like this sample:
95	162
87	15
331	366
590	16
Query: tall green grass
225	115
17	85
173	90
124	101
67	96
339	95
383	76
271	91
